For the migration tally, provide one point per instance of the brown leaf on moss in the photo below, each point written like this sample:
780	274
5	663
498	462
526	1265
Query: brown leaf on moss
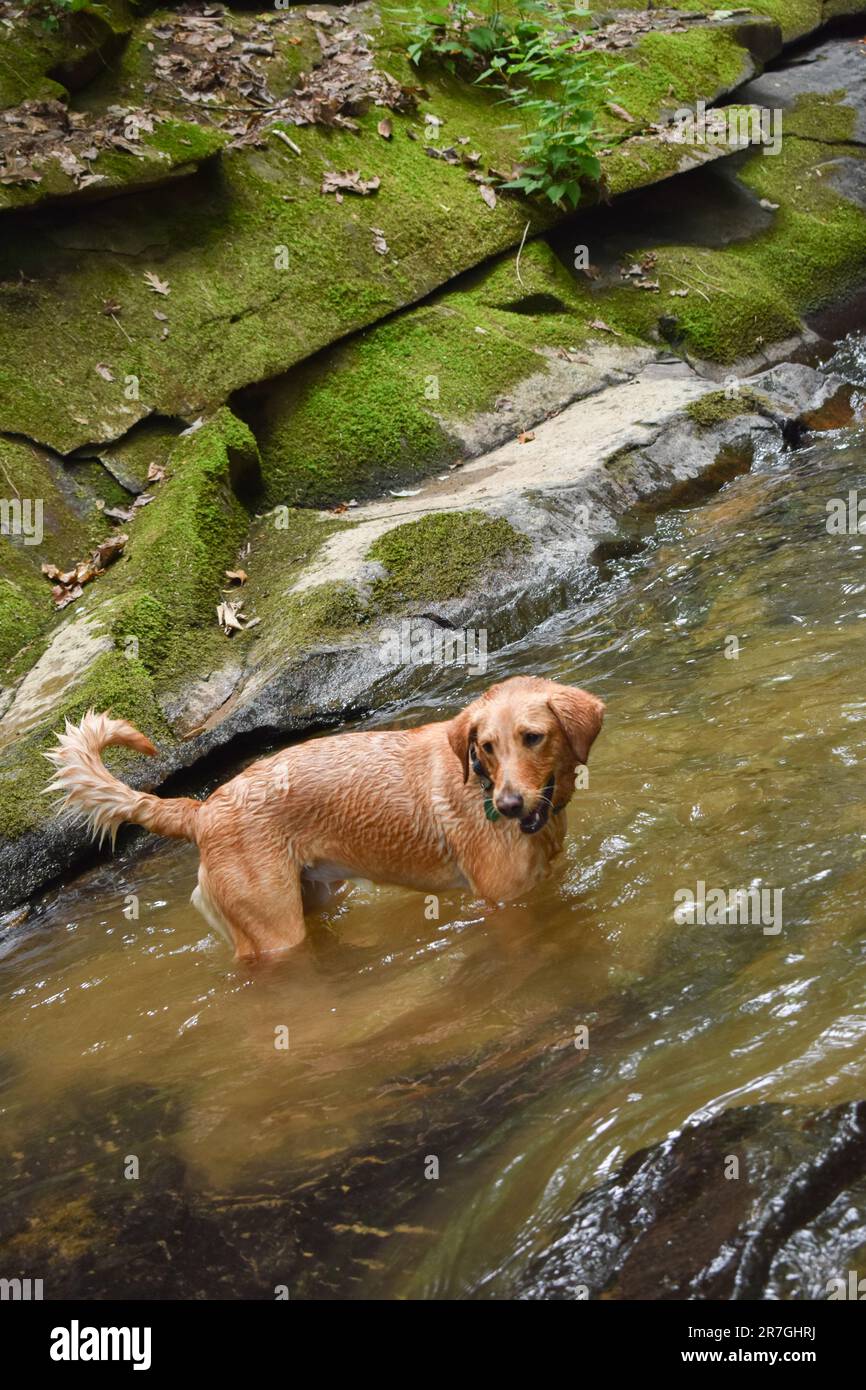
154	283
604	327
349	181
68	584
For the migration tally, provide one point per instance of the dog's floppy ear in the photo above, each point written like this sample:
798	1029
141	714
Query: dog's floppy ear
579	715
461	732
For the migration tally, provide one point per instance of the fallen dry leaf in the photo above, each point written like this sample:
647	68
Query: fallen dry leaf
228	617
379	243
619	111
21	174
68	584
156	473
487	194
231	618
348	182
604	327
385	129
105	372
526	437
64	596
237	576
153	282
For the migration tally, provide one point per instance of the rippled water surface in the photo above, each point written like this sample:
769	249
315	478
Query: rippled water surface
412	1039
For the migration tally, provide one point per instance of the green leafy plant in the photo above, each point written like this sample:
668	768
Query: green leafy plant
52	13
457	38
533	57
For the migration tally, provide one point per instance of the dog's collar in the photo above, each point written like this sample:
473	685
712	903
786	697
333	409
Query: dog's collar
480	771
486	781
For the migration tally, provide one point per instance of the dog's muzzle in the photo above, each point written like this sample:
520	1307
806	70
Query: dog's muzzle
537	819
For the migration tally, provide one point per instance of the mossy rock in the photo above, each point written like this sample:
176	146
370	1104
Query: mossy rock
262	268
50	515
795	17
135	79
827	117
441	556
73	49
172	150
717	406
25	602
181	544
148	443
374	412
157	604
382	409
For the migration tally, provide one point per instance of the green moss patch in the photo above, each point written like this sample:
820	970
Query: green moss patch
664	71
77	46
170	151
130	459
263	268
441	556
821	116
25	601
321	613
164	591
53	518
795	17
717	406
374	412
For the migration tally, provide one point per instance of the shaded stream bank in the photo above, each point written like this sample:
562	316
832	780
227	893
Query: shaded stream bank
452	1039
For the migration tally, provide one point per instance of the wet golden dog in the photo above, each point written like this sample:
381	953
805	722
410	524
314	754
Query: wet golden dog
473	802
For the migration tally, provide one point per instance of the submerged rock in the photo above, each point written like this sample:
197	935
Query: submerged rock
710	1213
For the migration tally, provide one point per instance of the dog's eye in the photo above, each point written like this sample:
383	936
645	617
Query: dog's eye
487	748
532	740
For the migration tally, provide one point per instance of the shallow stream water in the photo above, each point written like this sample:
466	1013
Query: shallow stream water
418	1045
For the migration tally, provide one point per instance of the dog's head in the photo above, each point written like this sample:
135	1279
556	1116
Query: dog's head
526	737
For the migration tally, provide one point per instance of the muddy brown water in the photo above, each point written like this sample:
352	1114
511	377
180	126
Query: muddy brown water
419	1043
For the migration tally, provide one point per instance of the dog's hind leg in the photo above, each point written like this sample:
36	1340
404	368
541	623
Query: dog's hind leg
258	903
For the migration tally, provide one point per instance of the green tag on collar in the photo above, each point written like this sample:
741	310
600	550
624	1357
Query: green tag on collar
490	810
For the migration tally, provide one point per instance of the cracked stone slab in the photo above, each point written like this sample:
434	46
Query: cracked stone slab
564	451
830	67
563	490
69	655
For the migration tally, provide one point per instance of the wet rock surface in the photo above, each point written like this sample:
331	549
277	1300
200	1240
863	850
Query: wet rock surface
709	1214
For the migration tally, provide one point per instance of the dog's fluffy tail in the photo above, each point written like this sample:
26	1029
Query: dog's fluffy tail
97	797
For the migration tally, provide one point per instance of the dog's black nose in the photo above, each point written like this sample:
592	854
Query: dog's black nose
509	804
